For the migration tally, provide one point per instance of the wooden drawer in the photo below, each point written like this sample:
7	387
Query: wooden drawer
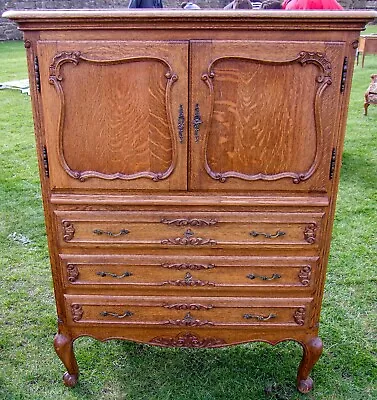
191	274
187	312
199	230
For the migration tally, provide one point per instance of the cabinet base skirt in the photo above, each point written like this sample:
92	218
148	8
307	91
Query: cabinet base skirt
312	350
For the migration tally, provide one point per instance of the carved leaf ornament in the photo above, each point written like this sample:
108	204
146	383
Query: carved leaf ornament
188	340
56	78
323	80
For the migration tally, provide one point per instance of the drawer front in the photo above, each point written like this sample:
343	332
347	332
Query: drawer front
202	230
187	312
168	273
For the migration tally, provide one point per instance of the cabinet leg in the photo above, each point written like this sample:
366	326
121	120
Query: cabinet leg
64	349
312	351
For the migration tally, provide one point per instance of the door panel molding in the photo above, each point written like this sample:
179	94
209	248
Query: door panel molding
55	79
324	79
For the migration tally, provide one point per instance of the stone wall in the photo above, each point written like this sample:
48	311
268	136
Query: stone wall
8	30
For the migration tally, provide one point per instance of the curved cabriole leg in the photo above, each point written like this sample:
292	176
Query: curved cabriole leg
64	349
312	351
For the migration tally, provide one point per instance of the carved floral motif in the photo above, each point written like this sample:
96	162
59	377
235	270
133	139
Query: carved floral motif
188	320
193	267
187	306
189	281
188	340
189	221
188	240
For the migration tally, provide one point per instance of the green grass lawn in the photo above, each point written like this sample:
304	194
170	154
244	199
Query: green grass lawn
29	368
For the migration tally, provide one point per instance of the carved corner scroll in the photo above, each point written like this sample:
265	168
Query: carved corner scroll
188	340
323	80
310	233
305	275
299	316
77	312
68	231
72	272
56	78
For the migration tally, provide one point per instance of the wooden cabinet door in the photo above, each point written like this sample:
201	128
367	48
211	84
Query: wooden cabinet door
113	114
265	115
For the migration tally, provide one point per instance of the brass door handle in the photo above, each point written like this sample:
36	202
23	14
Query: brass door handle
197	121
181	123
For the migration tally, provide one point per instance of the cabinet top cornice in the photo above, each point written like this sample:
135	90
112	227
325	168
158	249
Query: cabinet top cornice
252	19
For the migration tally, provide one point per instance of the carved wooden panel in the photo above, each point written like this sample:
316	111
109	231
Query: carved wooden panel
132	126
242	96
114	151
250	128
187	340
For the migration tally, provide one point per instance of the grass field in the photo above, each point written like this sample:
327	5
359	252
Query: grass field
29	368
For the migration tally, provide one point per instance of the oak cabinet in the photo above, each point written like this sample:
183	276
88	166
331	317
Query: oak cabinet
134	101
189	165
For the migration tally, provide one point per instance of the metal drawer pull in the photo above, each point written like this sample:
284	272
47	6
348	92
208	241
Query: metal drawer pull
264	278
116	315
101	232
103	274
268	235
259	317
